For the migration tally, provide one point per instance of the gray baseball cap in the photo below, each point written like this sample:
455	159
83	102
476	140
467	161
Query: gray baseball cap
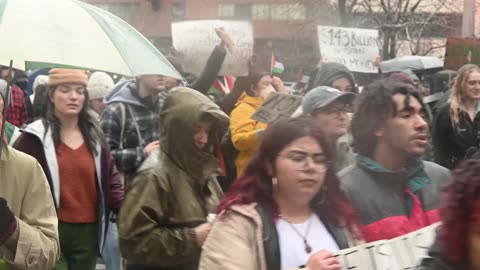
323	96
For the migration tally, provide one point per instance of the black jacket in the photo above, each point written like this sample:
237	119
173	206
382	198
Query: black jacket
453	144
438	261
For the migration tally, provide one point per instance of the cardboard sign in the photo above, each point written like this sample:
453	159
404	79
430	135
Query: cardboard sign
355	48
461	51
277	106
404	252
195	40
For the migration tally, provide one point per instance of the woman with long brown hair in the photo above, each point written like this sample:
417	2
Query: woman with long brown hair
456	126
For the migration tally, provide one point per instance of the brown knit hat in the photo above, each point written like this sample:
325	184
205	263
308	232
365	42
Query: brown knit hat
58	76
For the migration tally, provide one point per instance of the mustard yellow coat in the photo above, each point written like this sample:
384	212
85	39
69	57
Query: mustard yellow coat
245	131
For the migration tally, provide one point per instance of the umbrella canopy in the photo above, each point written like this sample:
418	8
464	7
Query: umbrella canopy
413	62
69	33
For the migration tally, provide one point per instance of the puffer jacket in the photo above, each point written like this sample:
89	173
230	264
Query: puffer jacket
245	131
171	196
245	237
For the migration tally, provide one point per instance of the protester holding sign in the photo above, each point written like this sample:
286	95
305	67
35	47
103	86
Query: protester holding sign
287	210
458	245
393	190
245	131
330	109
456	128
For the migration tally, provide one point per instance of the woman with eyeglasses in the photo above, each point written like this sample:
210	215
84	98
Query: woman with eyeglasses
456	126
287	210
331	110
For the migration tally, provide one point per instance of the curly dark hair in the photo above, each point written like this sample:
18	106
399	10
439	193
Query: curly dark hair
374	106
255	185
462	198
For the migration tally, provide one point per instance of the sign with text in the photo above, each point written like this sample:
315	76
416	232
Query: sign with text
355	48
461	51
404	252
277	106
195	40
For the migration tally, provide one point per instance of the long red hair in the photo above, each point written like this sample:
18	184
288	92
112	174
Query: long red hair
255	185
461	209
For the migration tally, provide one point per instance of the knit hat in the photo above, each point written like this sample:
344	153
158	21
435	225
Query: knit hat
40	79
99	85
322	96
59	76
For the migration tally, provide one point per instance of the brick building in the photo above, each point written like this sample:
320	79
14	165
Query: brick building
288	24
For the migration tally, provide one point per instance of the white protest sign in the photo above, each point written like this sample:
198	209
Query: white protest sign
276	106
404	252
195	40
355	48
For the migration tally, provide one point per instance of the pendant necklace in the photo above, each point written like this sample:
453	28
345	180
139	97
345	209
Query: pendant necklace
308	248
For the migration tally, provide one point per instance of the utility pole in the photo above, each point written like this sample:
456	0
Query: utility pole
468	22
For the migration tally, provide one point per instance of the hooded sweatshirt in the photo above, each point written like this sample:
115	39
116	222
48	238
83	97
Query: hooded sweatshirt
175	193
141	126
329	72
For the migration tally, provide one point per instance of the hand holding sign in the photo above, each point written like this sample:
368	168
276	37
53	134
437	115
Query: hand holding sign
323	260
276	106
226	40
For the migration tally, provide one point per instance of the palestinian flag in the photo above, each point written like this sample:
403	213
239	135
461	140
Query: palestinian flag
277	67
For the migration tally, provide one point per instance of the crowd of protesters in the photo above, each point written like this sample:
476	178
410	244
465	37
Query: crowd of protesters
157	173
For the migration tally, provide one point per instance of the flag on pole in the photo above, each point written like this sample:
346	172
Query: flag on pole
277	67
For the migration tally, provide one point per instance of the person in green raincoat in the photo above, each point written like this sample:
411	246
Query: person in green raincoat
163	221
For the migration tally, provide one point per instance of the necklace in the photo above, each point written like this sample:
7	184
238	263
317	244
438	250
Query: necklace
308	248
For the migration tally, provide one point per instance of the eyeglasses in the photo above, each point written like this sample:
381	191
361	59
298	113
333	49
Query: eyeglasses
473	83
336	111
300	159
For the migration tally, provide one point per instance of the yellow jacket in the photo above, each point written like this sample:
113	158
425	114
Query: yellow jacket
245	131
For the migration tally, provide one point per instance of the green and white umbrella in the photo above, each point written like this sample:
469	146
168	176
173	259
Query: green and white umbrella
70	33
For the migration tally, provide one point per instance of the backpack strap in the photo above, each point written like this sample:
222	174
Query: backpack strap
122	129
270	239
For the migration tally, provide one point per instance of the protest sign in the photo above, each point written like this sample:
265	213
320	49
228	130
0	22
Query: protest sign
277	106
195	40
404	252
461	51
355	48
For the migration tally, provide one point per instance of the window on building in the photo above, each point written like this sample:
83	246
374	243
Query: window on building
226	10
260	12
126	11
242	11
297	12
279	12
178	11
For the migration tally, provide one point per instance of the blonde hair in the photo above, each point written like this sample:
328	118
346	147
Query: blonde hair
459	97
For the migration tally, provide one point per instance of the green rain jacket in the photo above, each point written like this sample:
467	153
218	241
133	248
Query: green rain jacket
173	194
